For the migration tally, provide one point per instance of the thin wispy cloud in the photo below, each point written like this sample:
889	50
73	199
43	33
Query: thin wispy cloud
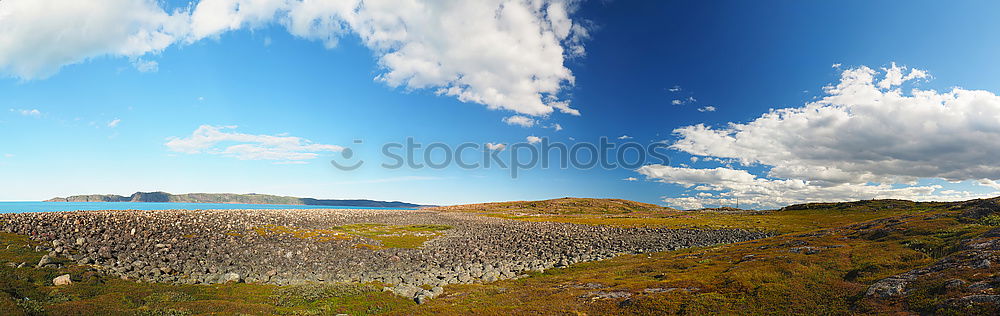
146	65
27	112
221	140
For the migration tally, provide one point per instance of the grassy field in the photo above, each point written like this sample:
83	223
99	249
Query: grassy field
386	236
823	261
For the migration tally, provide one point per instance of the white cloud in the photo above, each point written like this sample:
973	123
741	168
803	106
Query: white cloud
860	132
835	65
761	192
533	139
497	147
676	102
213	17
631	179
556	127
114	123
146	65
623	137
25	112
8	155
504	54
864	138
707	108
519	120
37	37
894	76
675	88
989	183
219	141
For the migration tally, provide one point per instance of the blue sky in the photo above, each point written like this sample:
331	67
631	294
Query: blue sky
95	113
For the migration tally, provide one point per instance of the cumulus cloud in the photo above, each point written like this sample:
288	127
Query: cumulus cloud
504	54
707	108
37	37
631	179
533	139
220	140
862	131
495	146
624	137
866	137
519	120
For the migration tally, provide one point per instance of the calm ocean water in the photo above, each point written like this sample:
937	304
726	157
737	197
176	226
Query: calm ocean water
21	207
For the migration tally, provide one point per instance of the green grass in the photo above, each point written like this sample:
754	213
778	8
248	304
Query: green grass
777	221
394	236
29	291
389	236
757	277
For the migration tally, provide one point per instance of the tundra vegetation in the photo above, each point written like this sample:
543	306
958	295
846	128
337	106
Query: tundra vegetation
865	257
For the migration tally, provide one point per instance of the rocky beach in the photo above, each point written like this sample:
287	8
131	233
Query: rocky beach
416	252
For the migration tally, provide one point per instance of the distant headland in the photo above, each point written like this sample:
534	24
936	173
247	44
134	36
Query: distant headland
229	198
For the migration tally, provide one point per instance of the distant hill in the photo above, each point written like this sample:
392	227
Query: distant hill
566	205
862	205
228	198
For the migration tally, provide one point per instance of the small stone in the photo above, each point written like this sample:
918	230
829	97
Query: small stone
44	261
62	280
982	264
954	283
887	288
230	277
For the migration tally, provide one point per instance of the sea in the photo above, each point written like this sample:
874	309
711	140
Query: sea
23	207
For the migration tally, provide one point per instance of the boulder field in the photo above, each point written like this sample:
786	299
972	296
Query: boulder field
218	246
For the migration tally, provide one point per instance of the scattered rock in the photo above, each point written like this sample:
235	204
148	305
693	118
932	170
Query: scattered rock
62	280
213	246
981	299
608	294
954	283
44	261
230	277
804	250
889	287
